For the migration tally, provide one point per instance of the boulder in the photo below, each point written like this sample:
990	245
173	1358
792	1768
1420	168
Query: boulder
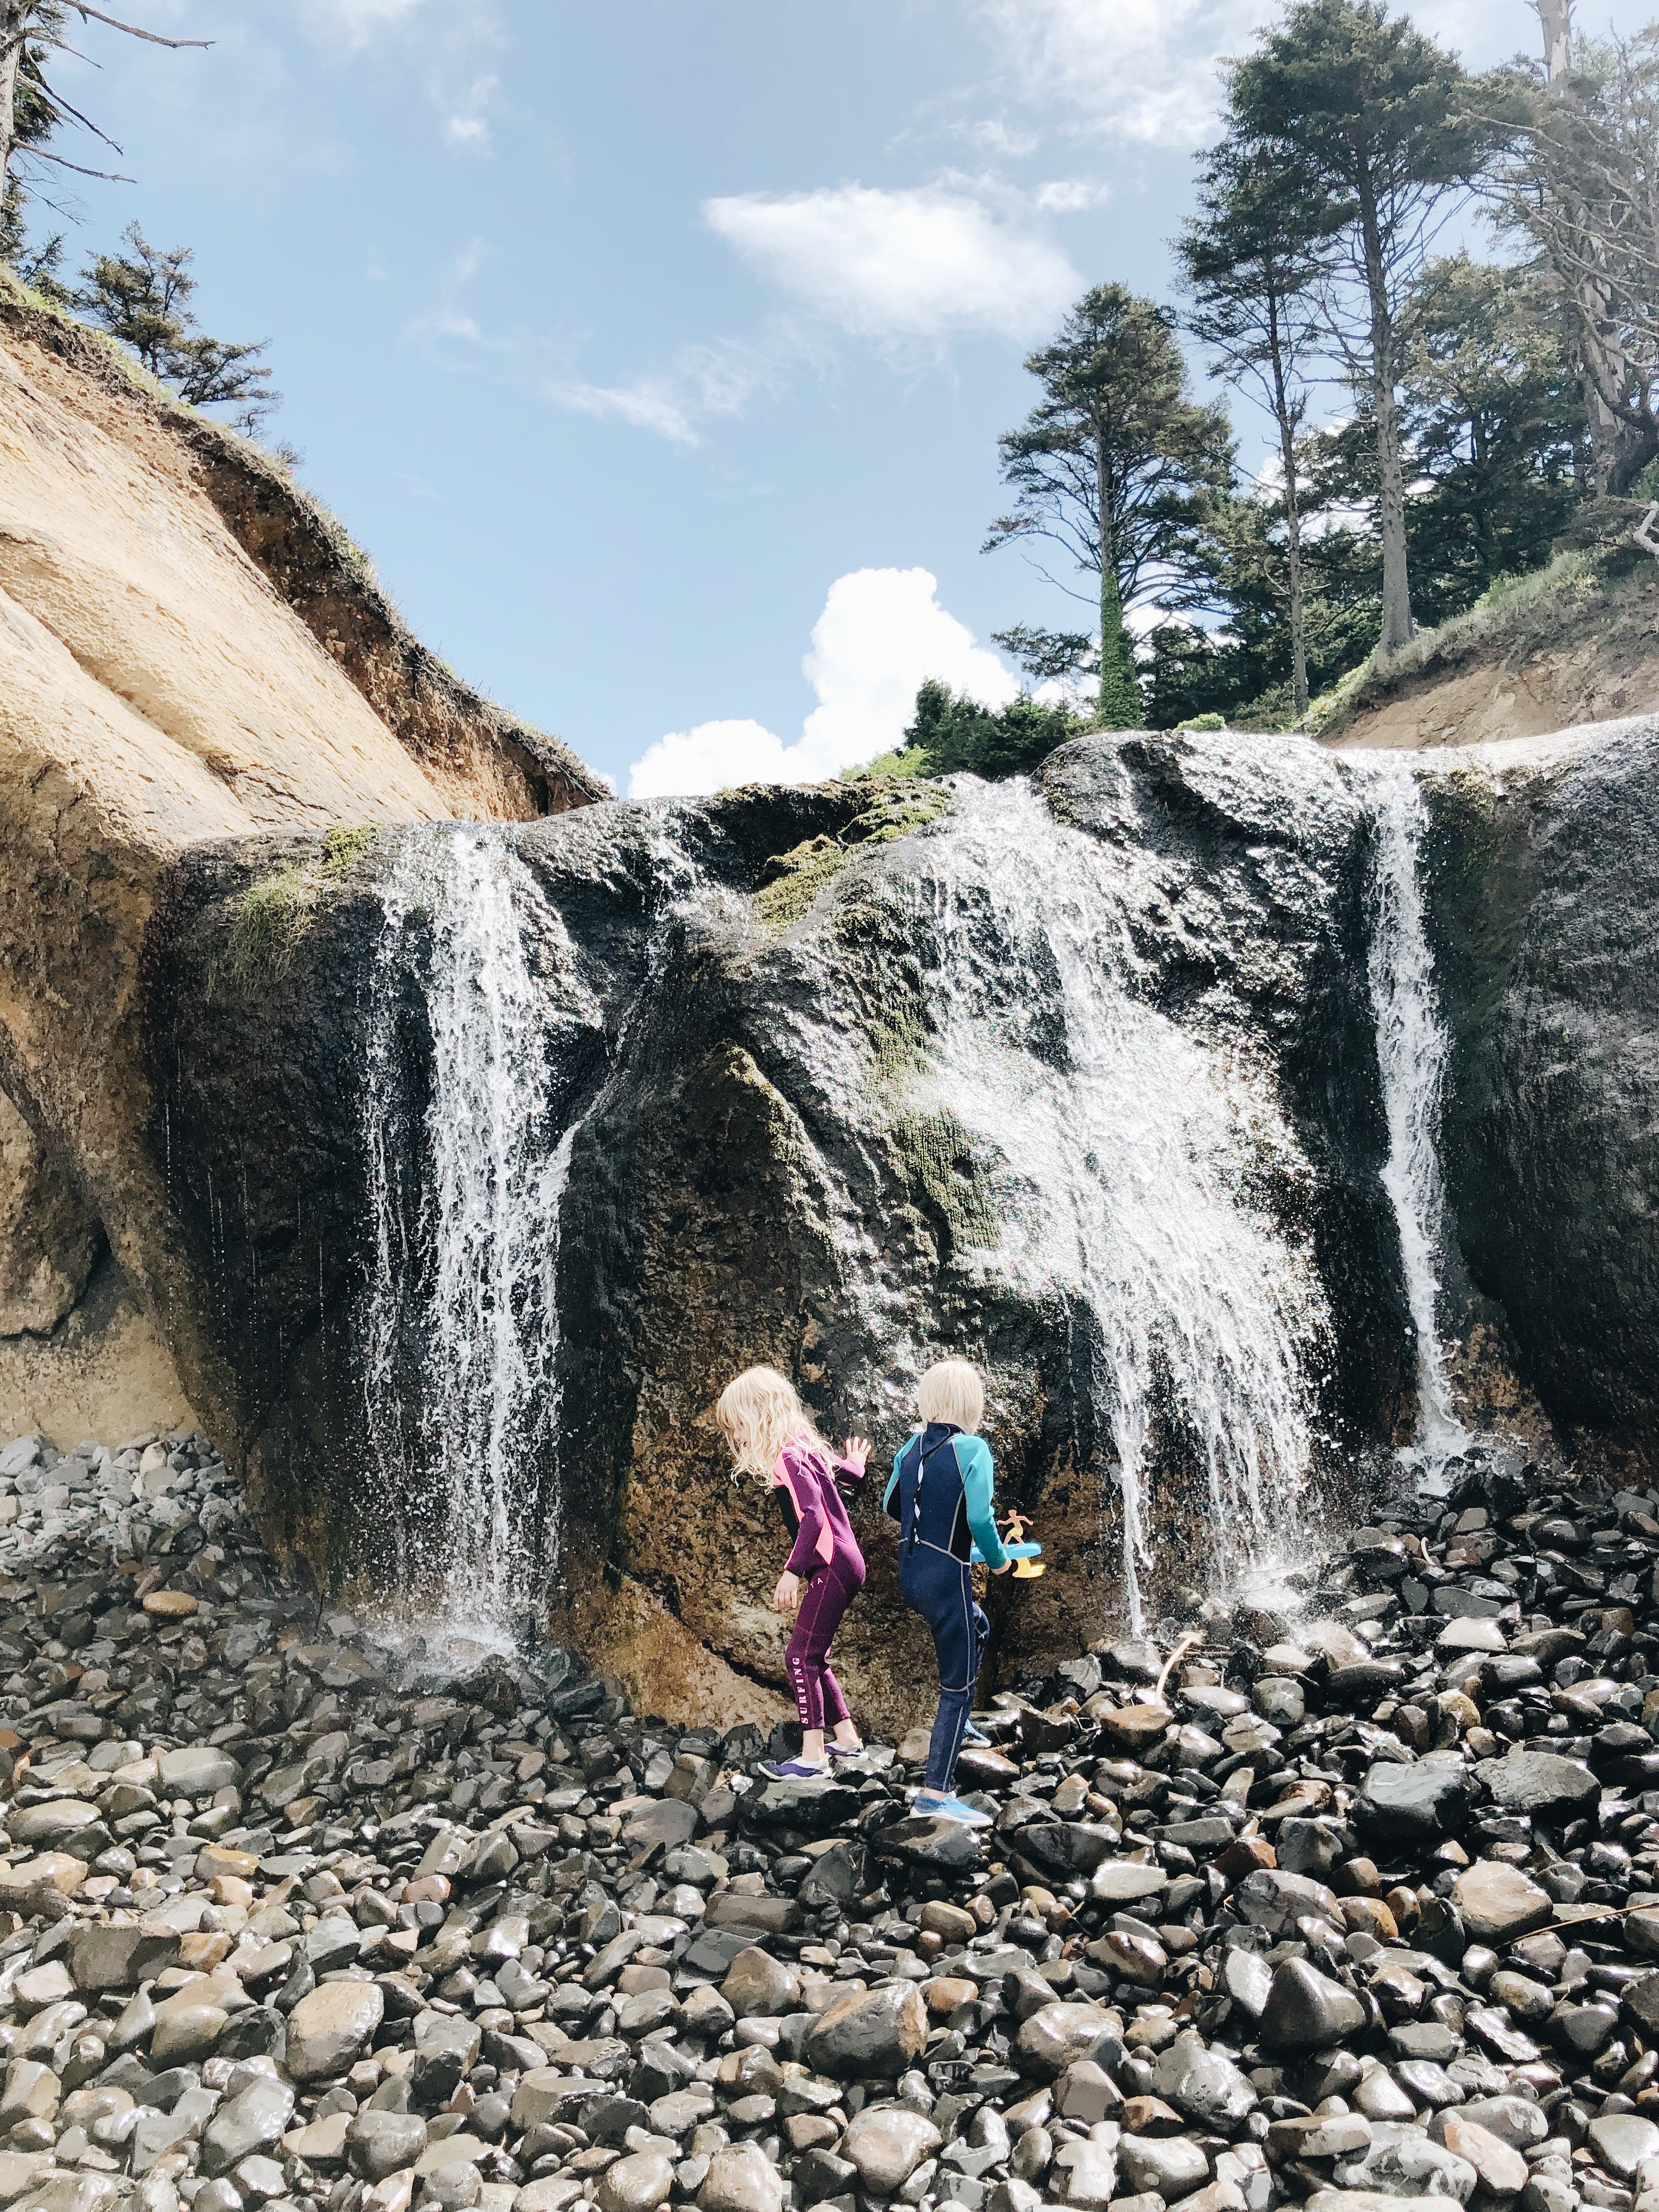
887	2143
1412	1805
876	2033
741	2179
1307	2011
331	2027
1540	1783
1500	1903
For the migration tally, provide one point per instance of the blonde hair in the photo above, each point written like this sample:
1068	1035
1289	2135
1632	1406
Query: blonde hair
952	1391
757	1413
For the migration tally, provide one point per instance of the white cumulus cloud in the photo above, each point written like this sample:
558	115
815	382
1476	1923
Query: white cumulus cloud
882	634
912	266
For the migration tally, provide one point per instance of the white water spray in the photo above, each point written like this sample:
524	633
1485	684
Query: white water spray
471	1309
1129	1161
1412	1050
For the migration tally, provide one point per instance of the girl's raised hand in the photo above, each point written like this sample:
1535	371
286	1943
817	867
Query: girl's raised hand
857	1450
787	1596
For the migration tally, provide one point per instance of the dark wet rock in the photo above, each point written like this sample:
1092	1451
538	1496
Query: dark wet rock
1307	2011
1417	1804
880	2032
1537	1782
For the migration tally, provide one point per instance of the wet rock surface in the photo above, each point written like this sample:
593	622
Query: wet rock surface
316	1926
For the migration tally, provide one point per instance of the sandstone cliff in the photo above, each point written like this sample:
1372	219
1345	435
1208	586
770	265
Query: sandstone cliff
190	649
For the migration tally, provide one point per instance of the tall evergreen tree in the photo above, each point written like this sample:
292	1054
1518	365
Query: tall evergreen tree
1380	118
1251	258
1116	463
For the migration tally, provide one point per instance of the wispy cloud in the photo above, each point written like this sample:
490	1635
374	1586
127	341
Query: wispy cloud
705	382
650	402
899	267
444	323
1146	69
355	22
468	126
1070	196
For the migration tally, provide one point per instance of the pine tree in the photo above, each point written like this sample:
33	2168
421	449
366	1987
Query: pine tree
1251	258
1116	463
143	297
1382	122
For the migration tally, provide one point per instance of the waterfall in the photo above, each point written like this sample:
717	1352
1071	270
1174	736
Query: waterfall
1411	1051
1128	1156
461	1307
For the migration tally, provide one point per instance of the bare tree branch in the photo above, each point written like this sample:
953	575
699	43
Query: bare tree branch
154	38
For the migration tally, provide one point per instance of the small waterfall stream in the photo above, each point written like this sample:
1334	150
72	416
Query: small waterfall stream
1412	1050
1129	1154
469	1301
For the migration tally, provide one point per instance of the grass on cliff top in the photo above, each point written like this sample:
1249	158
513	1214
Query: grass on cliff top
270	918
800	874
1508	604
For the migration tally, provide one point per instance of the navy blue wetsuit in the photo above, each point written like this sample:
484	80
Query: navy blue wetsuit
940	1495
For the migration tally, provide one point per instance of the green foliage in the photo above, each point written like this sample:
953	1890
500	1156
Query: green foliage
1046	655
1121	704
142	298
1204	722
952	733
907	760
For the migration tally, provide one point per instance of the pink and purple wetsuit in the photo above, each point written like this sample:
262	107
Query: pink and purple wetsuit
827	1558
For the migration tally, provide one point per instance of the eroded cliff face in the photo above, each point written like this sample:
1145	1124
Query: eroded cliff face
158	689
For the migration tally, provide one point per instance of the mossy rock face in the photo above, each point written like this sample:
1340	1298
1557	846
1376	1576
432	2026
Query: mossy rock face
1544	904
794	879
769	1162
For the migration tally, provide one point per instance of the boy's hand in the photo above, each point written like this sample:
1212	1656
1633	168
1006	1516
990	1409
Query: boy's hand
787	1596
857	1450
1004	1568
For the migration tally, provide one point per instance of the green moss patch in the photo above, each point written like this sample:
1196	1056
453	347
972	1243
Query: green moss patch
268	919
797	877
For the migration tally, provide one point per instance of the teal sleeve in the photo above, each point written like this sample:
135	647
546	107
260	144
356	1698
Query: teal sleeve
887	1495
979	1484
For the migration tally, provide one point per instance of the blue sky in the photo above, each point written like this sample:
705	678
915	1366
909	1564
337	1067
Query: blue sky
657	351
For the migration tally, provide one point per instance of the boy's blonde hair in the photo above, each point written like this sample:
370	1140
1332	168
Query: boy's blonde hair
952	1391
757	1413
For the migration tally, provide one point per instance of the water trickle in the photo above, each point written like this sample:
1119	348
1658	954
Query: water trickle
465	1203
1129	1160
1412	1050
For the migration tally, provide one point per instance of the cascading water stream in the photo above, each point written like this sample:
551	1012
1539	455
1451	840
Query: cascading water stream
1128	1152
1412	1050
459	1324
471	1311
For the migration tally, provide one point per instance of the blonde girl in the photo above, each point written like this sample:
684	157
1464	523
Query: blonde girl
772	1438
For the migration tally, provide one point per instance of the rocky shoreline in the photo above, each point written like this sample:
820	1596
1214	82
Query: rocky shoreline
1340	1910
